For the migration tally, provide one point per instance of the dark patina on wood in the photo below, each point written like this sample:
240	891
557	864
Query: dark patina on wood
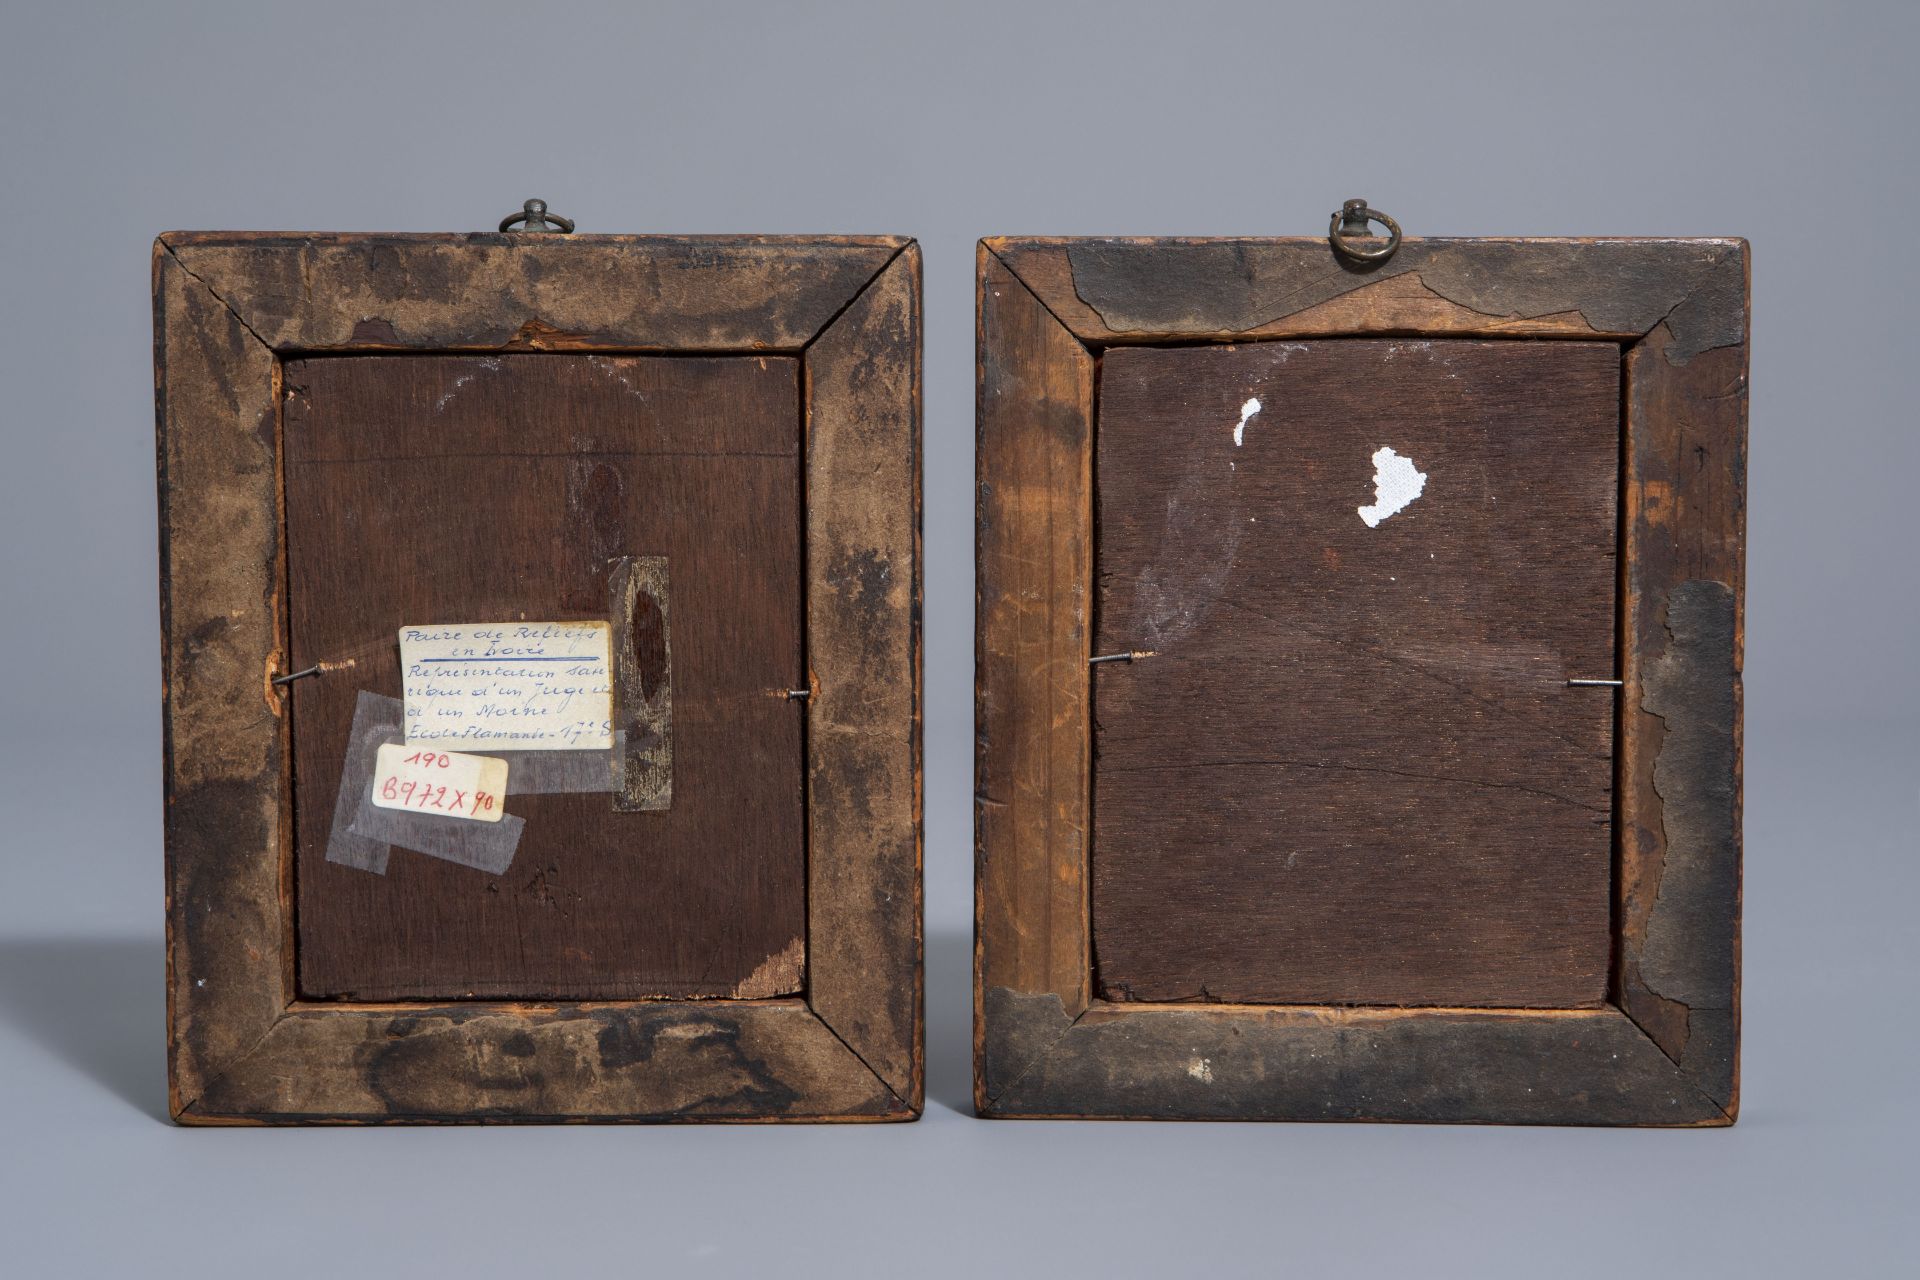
1616	287
1680	792
717	1060
1229	1062
1032	619
243	1047
1662	1049
751	294
864	785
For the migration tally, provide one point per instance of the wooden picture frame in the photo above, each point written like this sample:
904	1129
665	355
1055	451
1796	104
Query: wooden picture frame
243	1046
1663	1050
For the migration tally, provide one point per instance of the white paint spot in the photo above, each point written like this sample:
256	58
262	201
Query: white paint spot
1201	1069
1395	484
490	364
1247	410
612	369
459	382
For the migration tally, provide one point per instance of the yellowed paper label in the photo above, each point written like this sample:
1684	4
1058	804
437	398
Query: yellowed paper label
452	784
509	686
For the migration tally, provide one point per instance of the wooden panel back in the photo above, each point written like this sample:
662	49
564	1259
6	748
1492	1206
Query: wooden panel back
1352	771
476	489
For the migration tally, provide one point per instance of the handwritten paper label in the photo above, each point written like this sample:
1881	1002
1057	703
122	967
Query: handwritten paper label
452	783
509	686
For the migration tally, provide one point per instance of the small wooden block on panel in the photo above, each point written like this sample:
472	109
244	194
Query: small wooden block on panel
1352	770
465	489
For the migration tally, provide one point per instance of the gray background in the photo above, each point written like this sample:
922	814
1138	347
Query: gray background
1791	125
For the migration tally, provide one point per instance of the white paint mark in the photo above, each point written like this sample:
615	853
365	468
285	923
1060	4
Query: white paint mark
1201	1069
1395	484
490	364
459	382
1247	410
612	369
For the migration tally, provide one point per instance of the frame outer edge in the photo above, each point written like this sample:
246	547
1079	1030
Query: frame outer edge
639	1060
1682	705
1131	290
688	294
1452	1066
864	953
1032	691
223	745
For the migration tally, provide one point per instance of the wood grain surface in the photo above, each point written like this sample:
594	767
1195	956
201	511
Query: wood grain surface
1032	613
473	489
1353	772
1148	291
864	582
1678	897
488	293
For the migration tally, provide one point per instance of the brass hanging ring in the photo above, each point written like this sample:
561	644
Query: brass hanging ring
534	214
1350	224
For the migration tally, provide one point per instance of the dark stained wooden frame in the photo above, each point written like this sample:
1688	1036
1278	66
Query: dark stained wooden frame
1664	1050
242	1046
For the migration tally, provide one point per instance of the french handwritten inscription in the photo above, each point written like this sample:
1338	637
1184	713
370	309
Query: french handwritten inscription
453	783
520	686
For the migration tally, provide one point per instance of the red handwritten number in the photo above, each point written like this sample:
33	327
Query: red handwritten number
426	795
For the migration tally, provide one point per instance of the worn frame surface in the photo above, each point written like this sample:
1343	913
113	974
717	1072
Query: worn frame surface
242	1046
1664	1049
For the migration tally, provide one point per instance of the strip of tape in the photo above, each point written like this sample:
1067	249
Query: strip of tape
487	846
363	833
547	773
375	720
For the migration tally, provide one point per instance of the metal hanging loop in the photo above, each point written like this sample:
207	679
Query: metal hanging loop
1350	224
538	220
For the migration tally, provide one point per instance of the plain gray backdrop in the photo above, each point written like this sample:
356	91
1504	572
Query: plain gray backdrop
1793	125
